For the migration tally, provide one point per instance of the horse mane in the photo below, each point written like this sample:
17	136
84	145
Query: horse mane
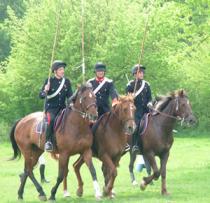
161	101
79	91
124	98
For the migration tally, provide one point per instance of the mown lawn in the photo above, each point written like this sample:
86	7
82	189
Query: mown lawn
188	177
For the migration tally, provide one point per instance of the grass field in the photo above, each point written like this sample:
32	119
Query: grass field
188	177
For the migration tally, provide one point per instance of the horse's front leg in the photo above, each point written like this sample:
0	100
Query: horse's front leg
77	165
163	162
65	187
131	164
111	173
62	172
156	173
87	156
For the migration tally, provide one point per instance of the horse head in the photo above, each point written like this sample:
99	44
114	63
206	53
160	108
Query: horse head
183	107
125	111
85	102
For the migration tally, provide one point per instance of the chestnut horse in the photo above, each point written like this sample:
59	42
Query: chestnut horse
158	139
73	136
110	135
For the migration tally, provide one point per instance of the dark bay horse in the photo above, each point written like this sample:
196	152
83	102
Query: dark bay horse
73	136
158	139
109	140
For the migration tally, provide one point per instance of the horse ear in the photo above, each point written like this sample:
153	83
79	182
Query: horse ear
181	93
130	95
78	86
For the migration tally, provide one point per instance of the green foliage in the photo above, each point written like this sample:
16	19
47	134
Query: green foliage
176	48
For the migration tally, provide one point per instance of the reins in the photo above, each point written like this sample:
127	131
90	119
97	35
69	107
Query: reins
178	118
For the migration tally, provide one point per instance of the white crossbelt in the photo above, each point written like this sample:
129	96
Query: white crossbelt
57	91
140	89
100	86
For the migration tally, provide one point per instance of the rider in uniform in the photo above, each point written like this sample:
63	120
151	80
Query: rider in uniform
56	90
142	98
103	88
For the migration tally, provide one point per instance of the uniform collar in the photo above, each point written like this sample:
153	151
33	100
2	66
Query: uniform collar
57	78
99	79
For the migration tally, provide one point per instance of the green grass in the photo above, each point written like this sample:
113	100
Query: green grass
188	177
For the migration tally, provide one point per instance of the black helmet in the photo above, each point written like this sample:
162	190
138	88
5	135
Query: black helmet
57	64
136	67
100	67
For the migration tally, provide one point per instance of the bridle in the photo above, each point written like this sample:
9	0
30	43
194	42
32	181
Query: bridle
178	118
122	121
84	113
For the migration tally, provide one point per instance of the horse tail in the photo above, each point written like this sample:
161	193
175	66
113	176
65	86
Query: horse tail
15	147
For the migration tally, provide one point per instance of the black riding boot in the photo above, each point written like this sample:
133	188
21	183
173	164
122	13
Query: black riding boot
135	138
42	174
48	145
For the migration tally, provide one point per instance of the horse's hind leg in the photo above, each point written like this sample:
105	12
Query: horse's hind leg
22	184
163	162
77	165
87	156
62	172
131	164
31	158
156	172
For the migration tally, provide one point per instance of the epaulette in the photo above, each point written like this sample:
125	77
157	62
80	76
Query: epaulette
147	83
91	79
108	80
130	82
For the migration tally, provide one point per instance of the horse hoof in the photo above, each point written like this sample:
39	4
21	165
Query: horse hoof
113	192
105	191
134	183
66	193
98	197
79	192
42	198
143	185
20	199
112	196
165	193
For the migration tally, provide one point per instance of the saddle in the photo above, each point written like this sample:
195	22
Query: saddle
41	126
144	123
58	119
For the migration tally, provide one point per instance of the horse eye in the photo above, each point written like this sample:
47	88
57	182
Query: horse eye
125	110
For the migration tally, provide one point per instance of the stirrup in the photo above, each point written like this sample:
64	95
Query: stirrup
127	148
135	148
48	146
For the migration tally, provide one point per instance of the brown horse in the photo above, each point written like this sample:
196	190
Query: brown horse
110	137
158	139
72	137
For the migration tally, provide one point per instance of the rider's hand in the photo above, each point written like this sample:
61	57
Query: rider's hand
47	87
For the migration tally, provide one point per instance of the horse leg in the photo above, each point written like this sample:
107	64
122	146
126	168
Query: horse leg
87	156
163	162
62	172
156	173
112	173
105	173
65	189
77	165
22	184
131	164
30	163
